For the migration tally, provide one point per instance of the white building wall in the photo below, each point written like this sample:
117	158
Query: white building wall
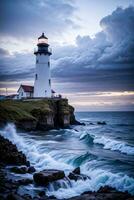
22	93
42	85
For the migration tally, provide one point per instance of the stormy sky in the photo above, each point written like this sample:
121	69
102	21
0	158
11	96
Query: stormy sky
93	49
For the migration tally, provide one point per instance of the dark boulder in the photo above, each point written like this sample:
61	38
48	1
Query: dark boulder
76	175
28	164
9	153
25	181
19	170
31	169
106	189
13	196
42	194
78	123
76	171
46	176
101	123
73	176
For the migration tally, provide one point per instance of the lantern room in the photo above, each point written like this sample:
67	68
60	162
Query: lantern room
42	39
43	46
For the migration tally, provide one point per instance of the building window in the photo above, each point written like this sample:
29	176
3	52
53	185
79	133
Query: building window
48	64
37	61
50	82
22	94
36	76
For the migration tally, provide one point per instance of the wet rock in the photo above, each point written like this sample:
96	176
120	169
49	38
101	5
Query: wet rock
106	189
101	123
9	153
42	193
76	171
78	123
19	170
51	197
31	169
27	197
28	164
25	181
105	193
46	176
13	196
75	175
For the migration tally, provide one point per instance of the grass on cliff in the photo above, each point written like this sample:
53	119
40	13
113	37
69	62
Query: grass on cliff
11	110
14	111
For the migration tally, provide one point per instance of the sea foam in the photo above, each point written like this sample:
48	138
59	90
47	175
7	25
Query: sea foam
68	188
114	145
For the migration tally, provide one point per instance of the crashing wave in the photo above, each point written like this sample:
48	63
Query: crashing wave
69	188
114	145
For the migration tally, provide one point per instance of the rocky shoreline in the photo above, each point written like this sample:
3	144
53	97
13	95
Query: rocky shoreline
14	161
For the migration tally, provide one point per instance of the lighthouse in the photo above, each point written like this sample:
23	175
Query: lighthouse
42	83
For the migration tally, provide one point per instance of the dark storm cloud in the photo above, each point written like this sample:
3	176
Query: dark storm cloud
102	63
28	17
105	61
16	67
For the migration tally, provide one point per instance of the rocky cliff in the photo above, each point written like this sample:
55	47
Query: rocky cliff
34	114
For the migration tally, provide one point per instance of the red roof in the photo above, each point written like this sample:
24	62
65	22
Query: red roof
27	88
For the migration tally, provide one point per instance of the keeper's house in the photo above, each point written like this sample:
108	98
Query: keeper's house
25	91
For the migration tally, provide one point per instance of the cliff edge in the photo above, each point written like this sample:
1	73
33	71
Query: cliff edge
44	114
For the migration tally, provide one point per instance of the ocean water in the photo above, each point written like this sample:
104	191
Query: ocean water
105	153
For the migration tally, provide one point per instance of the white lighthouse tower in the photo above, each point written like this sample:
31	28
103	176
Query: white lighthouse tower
42	84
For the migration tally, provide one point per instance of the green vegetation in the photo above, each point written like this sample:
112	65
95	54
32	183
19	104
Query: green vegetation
36	114
11	110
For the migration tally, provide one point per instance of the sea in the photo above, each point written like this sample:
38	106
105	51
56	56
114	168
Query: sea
104	153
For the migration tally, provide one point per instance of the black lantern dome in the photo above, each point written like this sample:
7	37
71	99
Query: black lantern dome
43	46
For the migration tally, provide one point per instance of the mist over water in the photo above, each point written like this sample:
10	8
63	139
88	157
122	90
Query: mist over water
105	153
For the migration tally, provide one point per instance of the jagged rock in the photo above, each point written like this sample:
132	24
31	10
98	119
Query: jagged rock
101	123
76	175
105	193
13	196
25	181
42	194
76	171
46	176
9	153
19	170
31	169
28	164
73	176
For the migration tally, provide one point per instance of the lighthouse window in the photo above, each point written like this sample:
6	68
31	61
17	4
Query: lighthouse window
48	64
49	81
36	76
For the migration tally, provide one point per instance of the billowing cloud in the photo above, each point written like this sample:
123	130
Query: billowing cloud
106	61
27	18
102	63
